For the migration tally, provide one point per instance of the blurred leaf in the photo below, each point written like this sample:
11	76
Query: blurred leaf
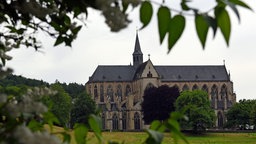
34	125
233	7
95	124
146	12
176	29
67	20
155	137
59	40
223	22
202	28
184	5
66	137
76	30
50	118
212	23
155	125
240	3
80	133
163	16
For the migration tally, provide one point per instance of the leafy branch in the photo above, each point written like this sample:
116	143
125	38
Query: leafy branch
174	25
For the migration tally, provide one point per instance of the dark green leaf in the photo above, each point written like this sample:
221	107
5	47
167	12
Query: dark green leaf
67	20
80	133
59	40
202	28
146	12
76	30
184	5
163	16
212	23
240	3
233	7
176	29
223	22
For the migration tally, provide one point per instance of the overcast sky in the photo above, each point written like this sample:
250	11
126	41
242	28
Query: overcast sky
96	45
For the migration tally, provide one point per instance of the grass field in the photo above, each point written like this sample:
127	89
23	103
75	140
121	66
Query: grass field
139	138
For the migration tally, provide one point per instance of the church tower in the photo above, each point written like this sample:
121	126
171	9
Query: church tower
137	54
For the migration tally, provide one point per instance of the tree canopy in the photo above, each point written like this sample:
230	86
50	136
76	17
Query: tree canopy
158	103
83	107
242	113
59	104
196	106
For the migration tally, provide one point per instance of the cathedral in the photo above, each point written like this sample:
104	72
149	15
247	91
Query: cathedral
118	89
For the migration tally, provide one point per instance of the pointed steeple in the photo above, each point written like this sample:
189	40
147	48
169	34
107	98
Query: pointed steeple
137	54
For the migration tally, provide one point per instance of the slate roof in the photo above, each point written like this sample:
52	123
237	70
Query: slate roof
193	73
111	73
166	73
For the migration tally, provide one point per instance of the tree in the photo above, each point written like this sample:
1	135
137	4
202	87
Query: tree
242	113
59	104
196	106
158	103
83	107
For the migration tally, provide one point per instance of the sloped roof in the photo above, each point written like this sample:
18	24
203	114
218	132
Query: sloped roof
112	73
166	73
193	73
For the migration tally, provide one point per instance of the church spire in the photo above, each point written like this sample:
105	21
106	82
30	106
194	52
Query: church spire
137	54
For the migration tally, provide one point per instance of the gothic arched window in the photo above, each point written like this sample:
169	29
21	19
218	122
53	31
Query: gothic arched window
185	88
128	90
223	92
149	85
220	120
214	95
95	92
205	88
177	87
195	87
115	122
110	93
103	121
90	91
136	121
101	93
124	115
119	92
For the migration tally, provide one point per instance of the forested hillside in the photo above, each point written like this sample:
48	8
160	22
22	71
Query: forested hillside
73	89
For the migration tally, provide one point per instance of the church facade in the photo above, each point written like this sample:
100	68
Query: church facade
118	89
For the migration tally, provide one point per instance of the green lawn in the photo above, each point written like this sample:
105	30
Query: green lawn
210	138
139	138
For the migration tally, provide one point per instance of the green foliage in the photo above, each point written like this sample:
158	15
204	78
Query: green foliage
59	104
176	28
163	16
146	12
202	28
158	103
196	106
82	108
73	89
242	113
203	19
155	133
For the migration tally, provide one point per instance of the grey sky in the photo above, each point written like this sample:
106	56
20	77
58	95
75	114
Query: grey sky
96	45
